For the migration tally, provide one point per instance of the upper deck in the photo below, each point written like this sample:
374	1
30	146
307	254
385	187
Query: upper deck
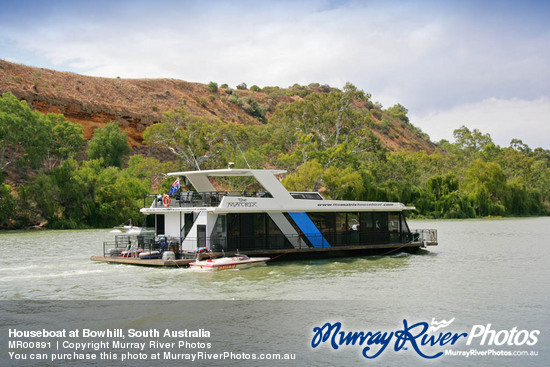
273	196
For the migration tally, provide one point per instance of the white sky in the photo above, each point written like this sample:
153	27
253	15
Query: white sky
483	64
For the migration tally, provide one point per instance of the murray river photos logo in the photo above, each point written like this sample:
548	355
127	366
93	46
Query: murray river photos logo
426	339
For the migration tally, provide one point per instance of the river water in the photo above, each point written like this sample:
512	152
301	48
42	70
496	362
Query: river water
483	272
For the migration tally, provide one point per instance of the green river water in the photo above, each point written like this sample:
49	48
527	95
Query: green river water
483	272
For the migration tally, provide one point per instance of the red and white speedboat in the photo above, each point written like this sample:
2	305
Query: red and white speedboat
227	263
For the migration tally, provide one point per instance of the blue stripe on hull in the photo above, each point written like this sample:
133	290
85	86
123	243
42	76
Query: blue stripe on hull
309	229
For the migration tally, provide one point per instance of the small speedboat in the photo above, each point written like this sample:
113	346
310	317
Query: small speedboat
238	261
127	228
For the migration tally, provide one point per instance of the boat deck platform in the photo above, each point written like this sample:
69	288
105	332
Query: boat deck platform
281	254
181	263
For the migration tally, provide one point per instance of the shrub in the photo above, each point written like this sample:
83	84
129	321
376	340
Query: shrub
376	113
384	127
325	88
213	87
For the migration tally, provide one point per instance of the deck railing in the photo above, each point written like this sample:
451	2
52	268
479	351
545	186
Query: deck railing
198	199
133	245
427	237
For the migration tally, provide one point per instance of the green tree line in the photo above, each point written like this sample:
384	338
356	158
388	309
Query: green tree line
328	142
62	185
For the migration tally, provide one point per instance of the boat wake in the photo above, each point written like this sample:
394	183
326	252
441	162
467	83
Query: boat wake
63	274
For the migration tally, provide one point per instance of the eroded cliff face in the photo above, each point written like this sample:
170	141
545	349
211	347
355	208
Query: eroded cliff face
134	103
138	103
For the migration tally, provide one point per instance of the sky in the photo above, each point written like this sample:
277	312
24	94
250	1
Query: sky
482	64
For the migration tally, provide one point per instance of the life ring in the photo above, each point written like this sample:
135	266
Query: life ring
166	200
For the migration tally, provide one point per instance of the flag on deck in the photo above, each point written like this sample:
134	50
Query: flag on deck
175	187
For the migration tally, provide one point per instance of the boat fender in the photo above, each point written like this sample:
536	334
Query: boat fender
166	200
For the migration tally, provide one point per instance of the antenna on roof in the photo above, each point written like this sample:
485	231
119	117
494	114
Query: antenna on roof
237	144
194	159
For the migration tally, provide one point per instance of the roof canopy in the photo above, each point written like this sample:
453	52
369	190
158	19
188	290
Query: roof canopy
265	177
227	172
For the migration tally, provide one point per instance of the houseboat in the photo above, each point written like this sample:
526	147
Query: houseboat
268	221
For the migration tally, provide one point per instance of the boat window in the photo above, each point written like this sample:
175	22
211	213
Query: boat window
404	225
254	231
201	236
306	195
219	226
380	221
393	222
260	228
353	222
218	237
233	225
188	223
367	223
340	227
325	222
353	228
340	222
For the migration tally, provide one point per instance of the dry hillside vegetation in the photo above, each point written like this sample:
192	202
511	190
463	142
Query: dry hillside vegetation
137	103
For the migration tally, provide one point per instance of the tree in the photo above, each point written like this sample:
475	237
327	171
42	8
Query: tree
7	203
520	146
23	133
397	167
110	144
195	140
486	183
471	141
399	112
440	185
32	138
77	196
343	184
326	127
308	177
66	140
